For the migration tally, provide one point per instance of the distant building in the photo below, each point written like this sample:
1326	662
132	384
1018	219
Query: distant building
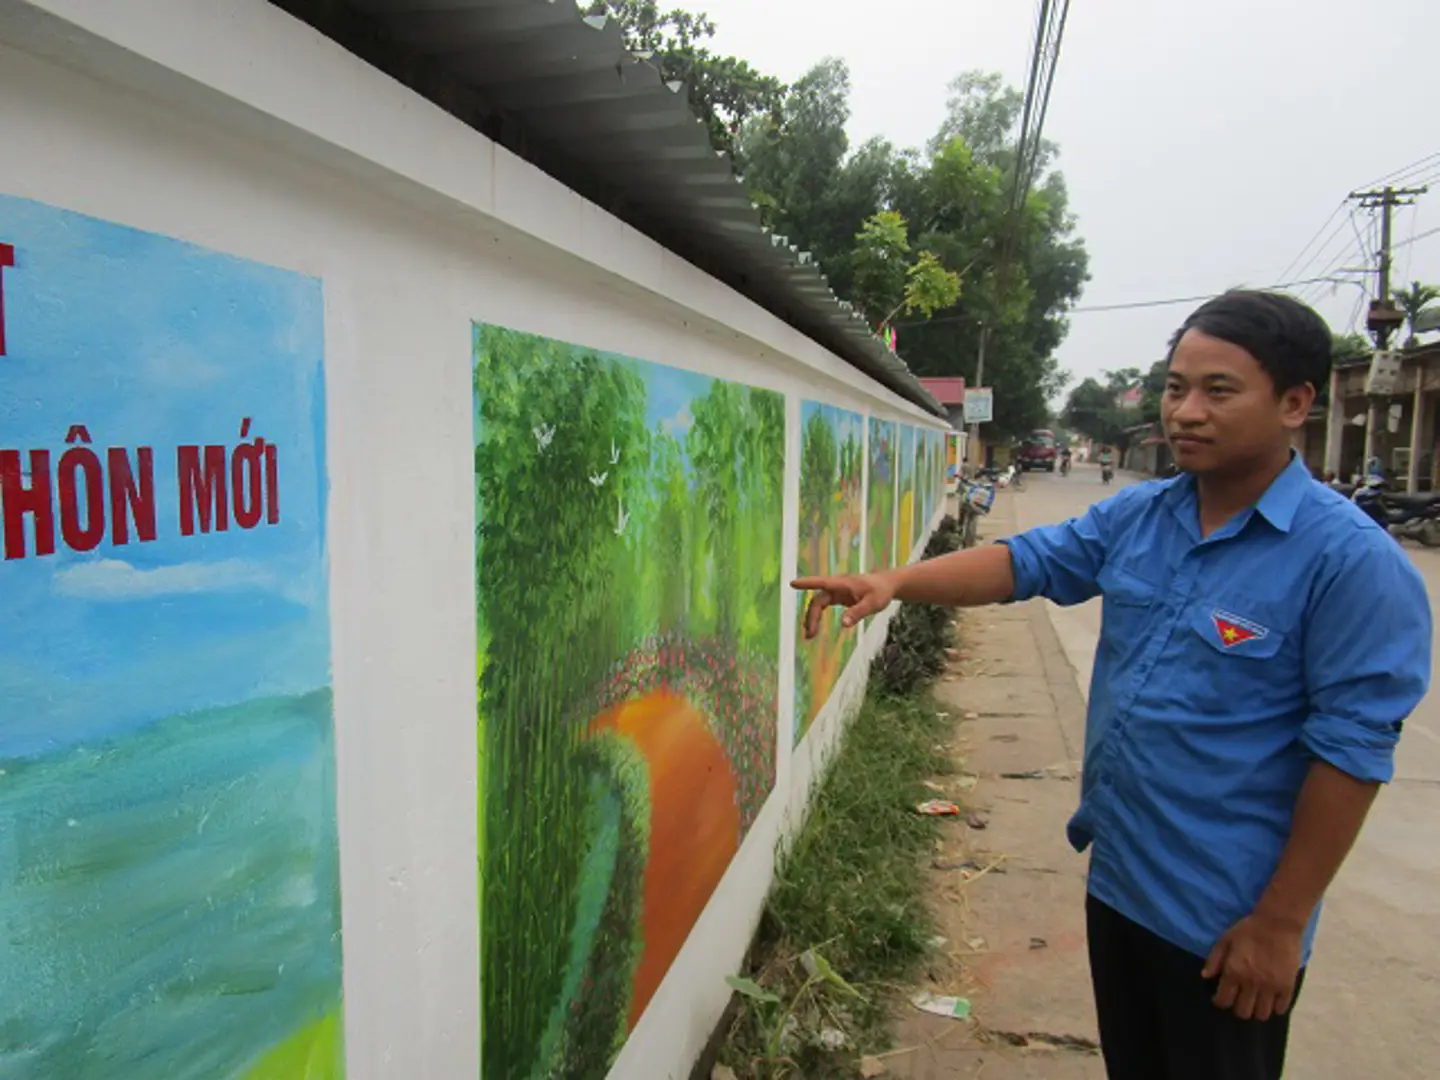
950	392
1129	399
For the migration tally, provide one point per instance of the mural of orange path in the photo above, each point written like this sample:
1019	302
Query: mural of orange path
694	824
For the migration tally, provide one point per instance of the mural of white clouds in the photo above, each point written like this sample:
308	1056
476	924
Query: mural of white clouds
680	423
113	579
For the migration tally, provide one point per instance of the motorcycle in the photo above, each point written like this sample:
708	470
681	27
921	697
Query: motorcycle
1406	517
976	499
1107	473
1065	466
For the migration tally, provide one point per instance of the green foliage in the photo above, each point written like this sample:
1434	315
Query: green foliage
1349	347
1094	411
929	286
1415	300
847	920
724	91
623	543
952	203
881	265
914	651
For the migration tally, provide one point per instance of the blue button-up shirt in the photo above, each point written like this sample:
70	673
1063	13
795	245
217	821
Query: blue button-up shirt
1298	632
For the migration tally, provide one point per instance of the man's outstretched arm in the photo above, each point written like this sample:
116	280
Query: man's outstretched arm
1059	562
982	575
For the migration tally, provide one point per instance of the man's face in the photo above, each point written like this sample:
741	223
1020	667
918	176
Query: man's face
1220	409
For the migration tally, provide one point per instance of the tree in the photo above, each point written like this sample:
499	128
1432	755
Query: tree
880	262
1093	408
1413	301
939	259
723	91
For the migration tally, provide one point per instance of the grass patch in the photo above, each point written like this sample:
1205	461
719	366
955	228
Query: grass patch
847	925
849	893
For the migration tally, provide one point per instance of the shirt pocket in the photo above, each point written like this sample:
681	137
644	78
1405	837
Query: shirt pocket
1127	602
1237	631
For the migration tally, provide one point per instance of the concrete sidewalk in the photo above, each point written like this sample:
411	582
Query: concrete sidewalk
1009	890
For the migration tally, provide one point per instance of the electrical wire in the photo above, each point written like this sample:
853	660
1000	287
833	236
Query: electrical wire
1309	267
1293	265
1416	238
1402	174
1410	244
1136	304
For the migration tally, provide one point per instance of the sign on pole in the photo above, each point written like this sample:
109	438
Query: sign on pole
1383	375
979	404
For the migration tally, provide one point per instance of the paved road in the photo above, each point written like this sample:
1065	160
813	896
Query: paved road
1372	1003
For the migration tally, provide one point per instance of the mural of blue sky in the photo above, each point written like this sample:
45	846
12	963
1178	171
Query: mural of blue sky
149	342
169	864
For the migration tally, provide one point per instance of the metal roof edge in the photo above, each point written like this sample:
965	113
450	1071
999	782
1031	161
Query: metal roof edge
559	88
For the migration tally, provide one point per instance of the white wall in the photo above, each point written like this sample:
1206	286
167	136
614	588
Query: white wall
226	123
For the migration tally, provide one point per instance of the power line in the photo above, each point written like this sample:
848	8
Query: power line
1429	165
1418	237
1292	266
1404	171
1135	304
1312	267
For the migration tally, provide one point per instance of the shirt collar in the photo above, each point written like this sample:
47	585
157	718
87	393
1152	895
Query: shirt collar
1284	496
1278	505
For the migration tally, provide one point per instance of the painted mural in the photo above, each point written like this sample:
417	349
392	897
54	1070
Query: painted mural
952	457
832	508
169	871
880	501
927	458
907	534
628	550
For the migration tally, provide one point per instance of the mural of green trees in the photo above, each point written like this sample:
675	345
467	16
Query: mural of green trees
920	504
880	502
832	452
906	530
628	541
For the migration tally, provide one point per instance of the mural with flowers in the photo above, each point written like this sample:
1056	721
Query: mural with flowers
628	545
832	518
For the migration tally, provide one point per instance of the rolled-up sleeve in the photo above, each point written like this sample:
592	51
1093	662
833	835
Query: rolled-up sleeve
1062	562
1367	659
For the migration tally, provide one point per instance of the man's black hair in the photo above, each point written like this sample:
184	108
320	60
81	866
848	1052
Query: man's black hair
1290	341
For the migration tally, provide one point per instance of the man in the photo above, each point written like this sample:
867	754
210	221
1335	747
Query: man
1262	643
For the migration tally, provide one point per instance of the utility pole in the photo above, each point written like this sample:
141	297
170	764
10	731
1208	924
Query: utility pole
1385	316
1384	319
975	453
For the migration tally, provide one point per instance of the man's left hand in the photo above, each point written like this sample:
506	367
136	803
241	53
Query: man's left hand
1257	962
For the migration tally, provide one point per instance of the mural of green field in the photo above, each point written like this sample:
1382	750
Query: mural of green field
169	841
880	500
628	553
905	527
832	509
920	506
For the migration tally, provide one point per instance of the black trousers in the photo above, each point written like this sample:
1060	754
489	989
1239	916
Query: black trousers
1157	1019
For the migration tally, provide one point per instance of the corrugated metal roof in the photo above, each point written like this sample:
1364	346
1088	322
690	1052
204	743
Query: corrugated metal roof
562	90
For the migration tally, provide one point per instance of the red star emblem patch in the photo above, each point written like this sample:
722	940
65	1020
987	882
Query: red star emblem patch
1234	630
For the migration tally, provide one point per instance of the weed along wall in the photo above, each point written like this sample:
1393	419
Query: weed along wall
398	671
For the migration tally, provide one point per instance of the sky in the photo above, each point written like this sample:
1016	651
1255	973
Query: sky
1204	142
147	341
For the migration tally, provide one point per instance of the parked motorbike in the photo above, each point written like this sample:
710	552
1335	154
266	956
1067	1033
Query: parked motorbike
976	499
1406	517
